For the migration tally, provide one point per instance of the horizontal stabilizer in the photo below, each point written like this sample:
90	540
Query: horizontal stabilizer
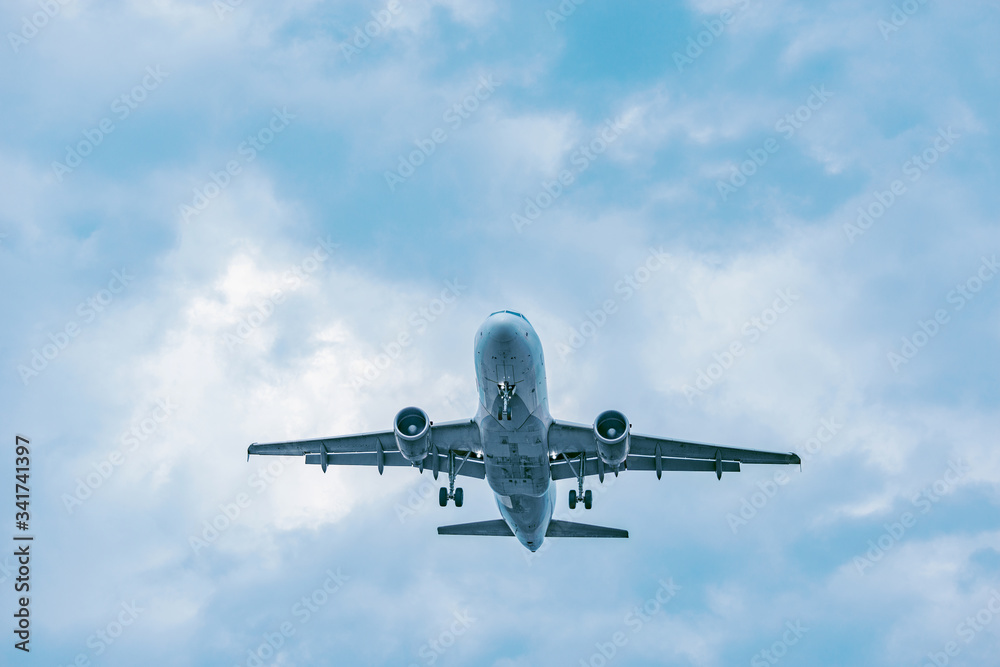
497	527
570	529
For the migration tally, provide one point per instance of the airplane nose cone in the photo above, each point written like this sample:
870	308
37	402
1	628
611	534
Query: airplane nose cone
503	332
505	327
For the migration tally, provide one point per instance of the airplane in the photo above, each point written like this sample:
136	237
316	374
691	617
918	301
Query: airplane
515	444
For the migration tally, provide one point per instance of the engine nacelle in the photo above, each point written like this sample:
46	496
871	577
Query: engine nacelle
611	430
412	429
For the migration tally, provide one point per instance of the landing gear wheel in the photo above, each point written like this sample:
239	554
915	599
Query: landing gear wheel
572	499
443	497
458	497
588	499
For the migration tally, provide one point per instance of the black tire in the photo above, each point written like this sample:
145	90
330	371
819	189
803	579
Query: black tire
459	497
588	499
443	497
572	499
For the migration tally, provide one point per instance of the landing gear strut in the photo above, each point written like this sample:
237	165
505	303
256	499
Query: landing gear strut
451	493
578	494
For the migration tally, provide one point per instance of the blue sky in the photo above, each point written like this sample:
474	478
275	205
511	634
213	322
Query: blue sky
770	225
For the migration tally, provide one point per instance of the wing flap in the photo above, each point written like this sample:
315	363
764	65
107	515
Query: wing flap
359	459
471	468
562	470
681	465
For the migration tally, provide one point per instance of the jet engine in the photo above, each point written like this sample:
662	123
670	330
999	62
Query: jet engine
412	429
611	430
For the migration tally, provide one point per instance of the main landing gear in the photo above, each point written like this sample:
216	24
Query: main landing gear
578	494
451	493
588	499
444	496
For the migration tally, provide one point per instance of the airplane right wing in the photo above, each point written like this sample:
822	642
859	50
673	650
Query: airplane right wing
574	448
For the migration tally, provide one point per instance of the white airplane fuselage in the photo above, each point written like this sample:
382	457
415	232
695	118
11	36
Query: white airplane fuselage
509	362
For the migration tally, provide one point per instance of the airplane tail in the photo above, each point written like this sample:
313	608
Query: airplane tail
499	527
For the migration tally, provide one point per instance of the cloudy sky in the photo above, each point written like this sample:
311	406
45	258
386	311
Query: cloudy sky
770	225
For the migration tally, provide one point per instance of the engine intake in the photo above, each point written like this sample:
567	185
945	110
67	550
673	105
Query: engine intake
412	429
611	430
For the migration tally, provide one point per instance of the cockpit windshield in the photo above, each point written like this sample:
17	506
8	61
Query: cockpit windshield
511	312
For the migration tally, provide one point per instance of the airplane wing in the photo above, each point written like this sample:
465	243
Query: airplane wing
573	445
379	449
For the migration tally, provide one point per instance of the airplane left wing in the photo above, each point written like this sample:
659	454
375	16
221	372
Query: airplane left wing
574	446
458	438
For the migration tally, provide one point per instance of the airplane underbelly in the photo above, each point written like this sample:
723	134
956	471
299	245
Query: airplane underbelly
517	462
528	516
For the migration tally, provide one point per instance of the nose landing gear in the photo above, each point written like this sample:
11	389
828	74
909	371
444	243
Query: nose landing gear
507	392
